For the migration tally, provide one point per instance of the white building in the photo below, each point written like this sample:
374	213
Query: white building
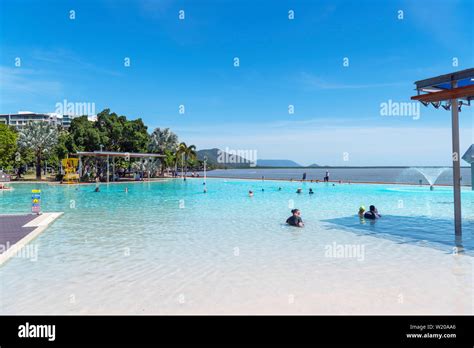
21	118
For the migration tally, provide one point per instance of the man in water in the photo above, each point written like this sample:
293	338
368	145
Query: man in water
250	193
372	214
295	219
311	191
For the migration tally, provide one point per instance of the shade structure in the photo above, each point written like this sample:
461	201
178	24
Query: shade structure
451	91
112	154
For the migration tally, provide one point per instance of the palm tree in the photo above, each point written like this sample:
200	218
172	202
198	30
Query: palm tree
41	138
187	153
162	140
168	161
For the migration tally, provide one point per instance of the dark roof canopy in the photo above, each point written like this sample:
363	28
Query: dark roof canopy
116	154
440	88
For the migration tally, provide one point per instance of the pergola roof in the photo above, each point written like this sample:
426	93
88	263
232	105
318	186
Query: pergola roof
116	154
440	88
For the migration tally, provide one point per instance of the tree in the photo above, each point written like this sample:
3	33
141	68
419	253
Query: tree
162	140
41	138
84	136
8	146
134	137
186	153
168	161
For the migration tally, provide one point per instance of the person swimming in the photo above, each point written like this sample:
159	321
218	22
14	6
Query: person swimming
295	219
97	189
250	193
279	189
372	214
263	190
299	190
361	211
311	191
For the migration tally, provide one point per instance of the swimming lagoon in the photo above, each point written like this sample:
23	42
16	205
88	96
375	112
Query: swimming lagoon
168	248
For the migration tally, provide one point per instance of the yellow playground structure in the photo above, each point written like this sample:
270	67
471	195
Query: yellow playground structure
70	170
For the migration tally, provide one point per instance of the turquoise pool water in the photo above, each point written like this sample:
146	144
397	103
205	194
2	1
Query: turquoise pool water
169	236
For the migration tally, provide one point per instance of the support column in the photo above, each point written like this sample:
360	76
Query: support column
456	165
80	167
472	176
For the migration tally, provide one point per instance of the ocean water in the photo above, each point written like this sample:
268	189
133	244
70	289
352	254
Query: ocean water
167	247
384	175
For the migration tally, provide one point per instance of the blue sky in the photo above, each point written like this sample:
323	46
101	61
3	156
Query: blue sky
283	62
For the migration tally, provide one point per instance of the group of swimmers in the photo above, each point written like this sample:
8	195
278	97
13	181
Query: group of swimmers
299	190
296	220
372	214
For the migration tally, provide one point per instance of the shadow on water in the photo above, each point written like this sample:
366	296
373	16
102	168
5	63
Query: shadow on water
418	230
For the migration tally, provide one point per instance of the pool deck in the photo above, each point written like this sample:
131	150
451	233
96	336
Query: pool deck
18	230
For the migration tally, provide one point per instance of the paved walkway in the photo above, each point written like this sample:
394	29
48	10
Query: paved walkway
18	230
12	230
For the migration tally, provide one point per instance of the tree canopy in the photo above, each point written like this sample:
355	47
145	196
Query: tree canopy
8	146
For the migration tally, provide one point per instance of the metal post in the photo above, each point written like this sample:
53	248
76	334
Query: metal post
472	176
456	164
80	167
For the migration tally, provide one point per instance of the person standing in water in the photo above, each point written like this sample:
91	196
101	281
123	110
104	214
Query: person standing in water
326	177
295	219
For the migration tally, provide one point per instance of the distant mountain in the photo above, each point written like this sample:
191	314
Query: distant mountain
221	159
314	165
277	163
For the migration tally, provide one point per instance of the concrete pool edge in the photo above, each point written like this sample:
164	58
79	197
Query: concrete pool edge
41	222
